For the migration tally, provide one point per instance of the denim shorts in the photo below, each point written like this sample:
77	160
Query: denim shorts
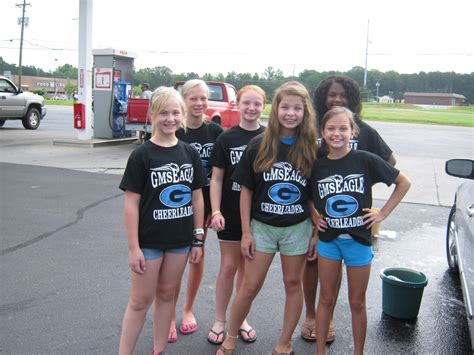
345	248
152	254
291	240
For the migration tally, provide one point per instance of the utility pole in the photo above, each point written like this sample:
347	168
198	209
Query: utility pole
21	38
366	55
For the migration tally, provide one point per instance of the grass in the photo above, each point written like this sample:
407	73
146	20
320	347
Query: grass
452	116
58	102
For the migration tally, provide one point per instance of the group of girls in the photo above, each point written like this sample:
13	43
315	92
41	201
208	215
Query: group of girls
270	191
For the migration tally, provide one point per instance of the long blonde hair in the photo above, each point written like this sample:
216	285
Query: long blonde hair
302	153
159	99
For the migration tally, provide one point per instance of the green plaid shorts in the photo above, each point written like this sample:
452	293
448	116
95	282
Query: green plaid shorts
291	240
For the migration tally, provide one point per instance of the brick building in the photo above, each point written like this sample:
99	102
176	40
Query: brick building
52	86
425	98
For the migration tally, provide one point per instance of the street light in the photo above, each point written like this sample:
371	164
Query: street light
377	84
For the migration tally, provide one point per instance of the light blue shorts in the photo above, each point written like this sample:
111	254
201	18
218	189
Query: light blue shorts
152	254
291	240
345	248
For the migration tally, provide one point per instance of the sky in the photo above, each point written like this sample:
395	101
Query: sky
219	36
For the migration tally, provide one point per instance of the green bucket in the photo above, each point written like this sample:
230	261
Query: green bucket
402	290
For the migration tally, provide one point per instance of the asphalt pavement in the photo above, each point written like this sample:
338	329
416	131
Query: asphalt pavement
65	278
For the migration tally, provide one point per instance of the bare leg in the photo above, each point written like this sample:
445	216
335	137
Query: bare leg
170	274
358	279
254	276
194	281
310	288
230	258
141	297
327	268
292	275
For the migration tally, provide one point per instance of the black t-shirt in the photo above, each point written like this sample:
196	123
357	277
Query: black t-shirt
227	151
342	188
165	178
280	196
203	139
369	140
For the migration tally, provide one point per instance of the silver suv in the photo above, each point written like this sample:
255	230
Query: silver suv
18	105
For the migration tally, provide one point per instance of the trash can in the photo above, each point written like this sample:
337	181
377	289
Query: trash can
402	290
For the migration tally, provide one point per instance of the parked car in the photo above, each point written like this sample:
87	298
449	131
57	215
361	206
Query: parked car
222	103
460	234
18	105
60	97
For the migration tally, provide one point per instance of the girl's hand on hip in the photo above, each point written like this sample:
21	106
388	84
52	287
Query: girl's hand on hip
372	216
136	261
247	245
196	255
218	223
321	224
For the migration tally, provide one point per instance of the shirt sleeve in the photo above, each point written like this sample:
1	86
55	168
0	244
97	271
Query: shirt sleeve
381	171
218	158
134	176
244	173
377	145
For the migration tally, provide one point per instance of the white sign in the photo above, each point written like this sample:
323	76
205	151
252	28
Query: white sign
103	79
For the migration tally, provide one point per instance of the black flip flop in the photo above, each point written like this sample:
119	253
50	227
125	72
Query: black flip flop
217	337
249	339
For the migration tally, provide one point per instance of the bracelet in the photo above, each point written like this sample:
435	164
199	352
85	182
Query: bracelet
215	213
198	243
198	231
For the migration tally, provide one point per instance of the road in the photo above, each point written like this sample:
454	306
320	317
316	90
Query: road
65	279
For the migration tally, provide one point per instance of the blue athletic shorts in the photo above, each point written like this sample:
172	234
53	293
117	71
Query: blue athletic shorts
345	248
152	254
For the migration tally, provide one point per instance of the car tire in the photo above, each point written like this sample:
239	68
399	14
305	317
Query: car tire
2	122
32	119
216	119
450	241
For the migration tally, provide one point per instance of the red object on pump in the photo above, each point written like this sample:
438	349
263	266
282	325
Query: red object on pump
79	116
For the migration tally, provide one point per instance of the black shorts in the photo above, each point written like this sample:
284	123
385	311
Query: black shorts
207	201
230	235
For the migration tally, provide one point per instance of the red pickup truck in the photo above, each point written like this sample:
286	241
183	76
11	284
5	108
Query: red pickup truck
222	107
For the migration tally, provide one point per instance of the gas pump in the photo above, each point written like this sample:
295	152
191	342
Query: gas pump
112	79
122	91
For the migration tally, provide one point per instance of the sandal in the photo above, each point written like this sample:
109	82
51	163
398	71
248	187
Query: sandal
331	333
248	339
172	336
308	331
188	328
218	336
225	351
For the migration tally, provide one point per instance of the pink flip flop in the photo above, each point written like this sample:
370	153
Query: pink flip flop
188	328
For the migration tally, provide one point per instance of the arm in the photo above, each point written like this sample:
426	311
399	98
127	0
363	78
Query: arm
198	218
217	219
136	260
247	245
316	218
402	186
